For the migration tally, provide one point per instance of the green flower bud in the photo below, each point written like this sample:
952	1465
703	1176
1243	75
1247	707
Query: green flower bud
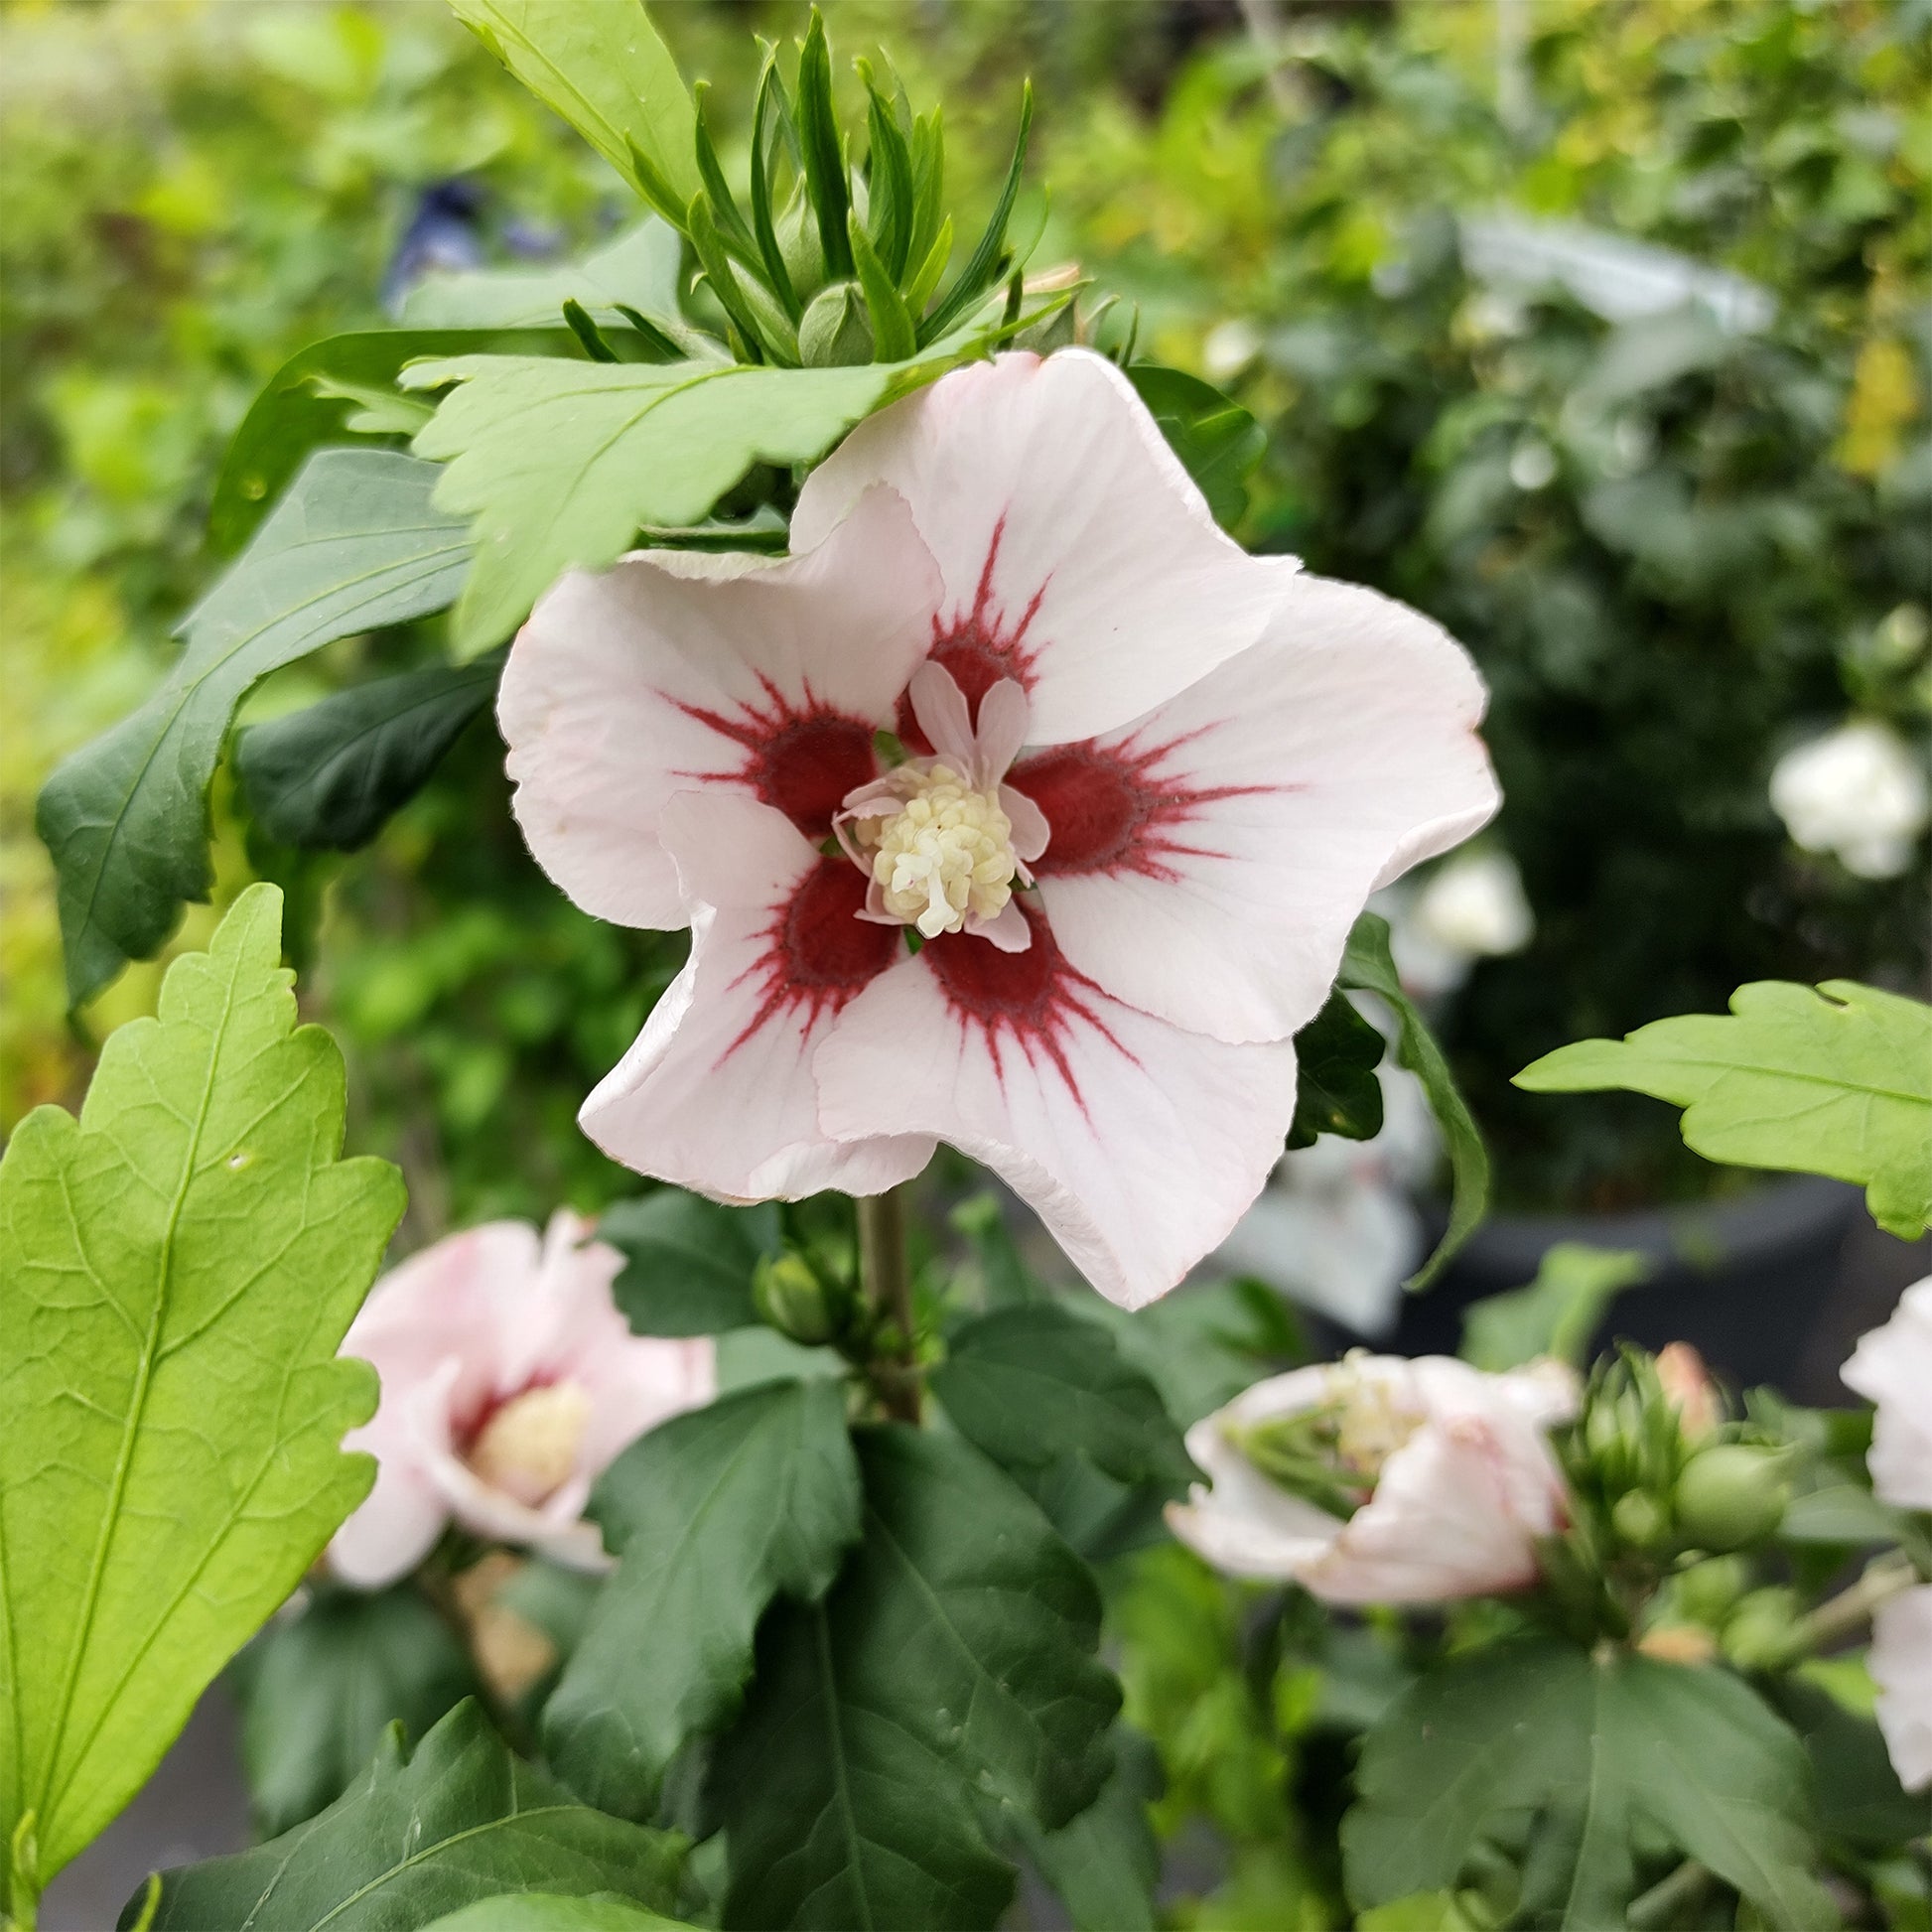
1706	1592
797	231
836	332
788	1294
1730	1495
1760	1631
1639	1520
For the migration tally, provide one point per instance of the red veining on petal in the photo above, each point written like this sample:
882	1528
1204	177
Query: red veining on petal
802	758
1112	807
818	953
1029	999
979	647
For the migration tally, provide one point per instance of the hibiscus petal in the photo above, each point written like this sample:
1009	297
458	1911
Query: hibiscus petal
393	1528
1206	862
627	687
1900	1661
1138	1145
1078	556
717	1092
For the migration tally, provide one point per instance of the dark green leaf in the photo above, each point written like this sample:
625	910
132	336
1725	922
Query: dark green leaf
1217	441
892	322
1104	1864
1030	1384
1557	1313
1604	1755
320	1689
768	122
823	148
419	1837
983	269
951	1667
1335	1057
330	776
724	204
711	1515
1861	1801
688	1261
302	406
1368	967
354	545
888	211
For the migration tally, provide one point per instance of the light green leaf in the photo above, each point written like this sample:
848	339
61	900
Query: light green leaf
639	270
711	1515
419	1837
1030	1384
951	1666
320	1689
561	462
1835	1081
532	1912
688	1262
600	65
1604	1754
1368	967
1557	1313
181	1266
330	776
354	545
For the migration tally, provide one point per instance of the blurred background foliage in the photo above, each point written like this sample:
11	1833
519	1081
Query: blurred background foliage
1680	536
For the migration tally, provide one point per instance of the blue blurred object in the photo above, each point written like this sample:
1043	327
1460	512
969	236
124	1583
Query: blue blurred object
442	234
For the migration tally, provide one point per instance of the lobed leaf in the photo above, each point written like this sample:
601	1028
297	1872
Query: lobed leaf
1368	967
950	1668
419	1837
354	545
329	777
688	1261
182	1264
639	269
1833	1080
711	1516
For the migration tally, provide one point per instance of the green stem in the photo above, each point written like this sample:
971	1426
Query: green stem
1675	1892
1853	1607
887	1284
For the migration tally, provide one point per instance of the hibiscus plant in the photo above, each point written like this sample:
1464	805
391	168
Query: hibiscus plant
760	1553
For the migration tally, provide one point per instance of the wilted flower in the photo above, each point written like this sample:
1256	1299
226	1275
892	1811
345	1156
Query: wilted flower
509	1381
1857	792
1123	787
1900	1663
1380	1480
1892	1367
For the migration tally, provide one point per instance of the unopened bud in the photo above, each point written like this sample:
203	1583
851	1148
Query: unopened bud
789	1296
1640	1520
1759	1632
1679	1643
797	232
1706	1592
1730	1495
1688	1389
836	332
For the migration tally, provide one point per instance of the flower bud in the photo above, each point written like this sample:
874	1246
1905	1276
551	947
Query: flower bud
1730	1495
1688	1389
1759	1632
1640	1520
789	1296
1057	330
1706	1592
804	259
836	332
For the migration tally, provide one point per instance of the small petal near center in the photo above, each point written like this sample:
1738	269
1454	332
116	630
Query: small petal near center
943	856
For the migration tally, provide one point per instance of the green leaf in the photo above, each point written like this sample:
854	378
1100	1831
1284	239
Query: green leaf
1368	967
1335	1057
318	1689
1861	1802
1104	1864
532	1912
561	462
638	270
1835	1081
982	270
1604	1755
600	65
827	184
1217	441
354	545
688	1262
329	777
419	1837
1005	1278
892	326
181	1266
951	1666
1557	1313
711	1515
300	407
1027	1385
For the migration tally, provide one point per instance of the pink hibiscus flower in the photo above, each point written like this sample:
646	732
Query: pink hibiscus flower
1148	783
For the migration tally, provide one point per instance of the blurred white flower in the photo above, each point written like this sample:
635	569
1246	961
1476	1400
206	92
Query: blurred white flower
1892	1367
1230	346
1857	792
509	1382
1470	907
1900	1663
1379	1480
1532	464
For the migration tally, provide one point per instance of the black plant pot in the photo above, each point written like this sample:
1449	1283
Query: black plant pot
1744	1280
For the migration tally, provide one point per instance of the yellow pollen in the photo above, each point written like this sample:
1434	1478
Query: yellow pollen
947	853
528	1447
